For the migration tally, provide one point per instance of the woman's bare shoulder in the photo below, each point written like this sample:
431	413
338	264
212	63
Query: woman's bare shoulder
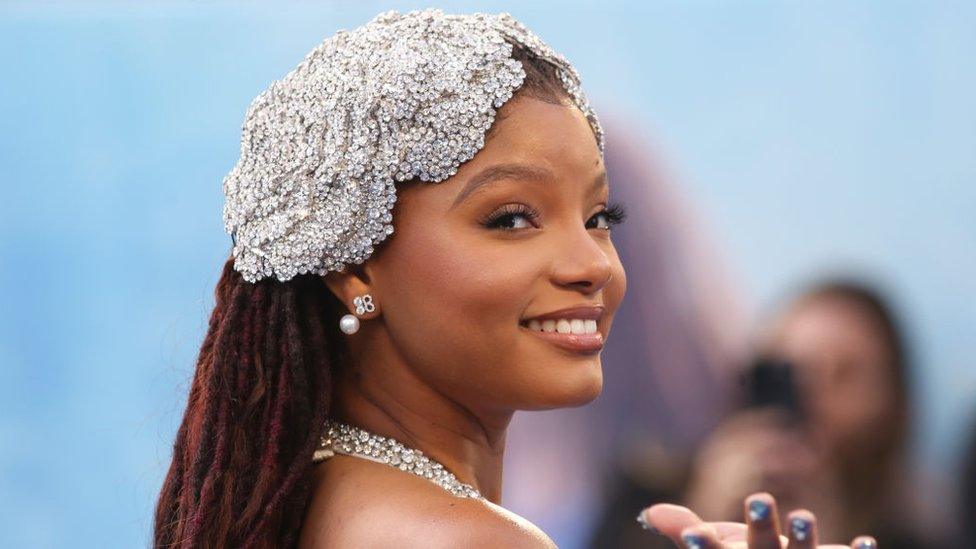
358	503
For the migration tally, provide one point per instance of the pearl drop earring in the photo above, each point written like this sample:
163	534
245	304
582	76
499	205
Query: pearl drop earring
349	323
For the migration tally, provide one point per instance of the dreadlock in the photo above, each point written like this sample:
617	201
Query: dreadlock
241	466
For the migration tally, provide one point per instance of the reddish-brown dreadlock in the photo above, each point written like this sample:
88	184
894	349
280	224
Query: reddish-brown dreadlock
243	454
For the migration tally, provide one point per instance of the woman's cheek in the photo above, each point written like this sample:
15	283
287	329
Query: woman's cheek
453	274
617	287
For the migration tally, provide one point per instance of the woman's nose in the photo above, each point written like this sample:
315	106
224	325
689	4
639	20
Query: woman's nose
582	262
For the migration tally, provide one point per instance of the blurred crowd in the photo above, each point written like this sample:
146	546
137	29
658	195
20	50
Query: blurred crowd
821	420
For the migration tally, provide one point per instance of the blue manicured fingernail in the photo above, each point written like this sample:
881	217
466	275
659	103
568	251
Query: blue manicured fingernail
693	541
801	528
645	525
758	510
867	544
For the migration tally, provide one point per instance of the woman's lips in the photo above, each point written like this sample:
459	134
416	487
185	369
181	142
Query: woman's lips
575	329
577	343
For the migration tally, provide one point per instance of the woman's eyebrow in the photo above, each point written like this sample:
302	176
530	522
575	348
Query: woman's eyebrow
501	171
599	182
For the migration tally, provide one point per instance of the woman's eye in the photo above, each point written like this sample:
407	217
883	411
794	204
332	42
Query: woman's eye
513	221
610	216
601	221
512	217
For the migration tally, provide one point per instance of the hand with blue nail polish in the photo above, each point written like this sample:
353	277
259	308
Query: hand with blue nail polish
761	529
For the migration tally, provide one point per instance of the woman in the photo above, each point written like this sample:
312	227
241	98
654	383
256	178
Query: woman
844	457
305	421
837	448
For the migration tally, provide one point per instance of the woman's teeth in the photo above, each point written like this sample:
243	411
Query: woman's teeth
564	326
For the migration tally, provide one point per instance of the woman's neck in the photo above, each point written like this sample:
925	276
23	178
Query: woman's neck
388	399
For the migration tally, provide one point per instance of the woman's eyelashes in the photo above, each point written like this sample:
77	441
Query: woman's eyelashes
507	217
512	217
612	214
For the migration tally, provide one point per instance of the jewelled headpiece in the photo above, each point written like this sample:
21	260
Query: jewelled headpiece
405	96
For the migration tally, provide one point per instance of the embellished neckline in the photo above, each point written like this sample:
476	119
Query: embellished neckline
342	438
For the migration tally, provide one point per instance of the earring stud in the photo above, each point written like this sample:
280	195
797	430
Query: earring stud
364	304
349	323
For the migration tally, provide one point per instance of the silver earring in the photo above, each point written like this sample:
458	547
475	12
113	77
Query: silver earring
349	324
364	304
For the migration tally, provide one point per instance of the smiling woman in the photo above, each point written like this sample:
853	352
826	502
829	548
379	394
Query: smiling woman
354	390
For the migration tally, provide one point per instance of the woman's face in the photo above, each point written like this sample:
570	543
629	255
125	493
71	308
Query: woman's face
843	365
519	232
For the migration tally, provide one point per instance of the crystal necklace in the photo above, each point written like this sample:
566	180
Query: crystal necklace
341	438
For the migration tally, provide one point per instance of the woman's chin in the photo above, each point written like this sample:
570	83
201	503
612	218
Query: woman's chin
571	389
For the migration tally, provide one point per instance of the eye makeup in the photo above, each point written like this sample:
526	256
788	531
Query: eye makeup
615	214
503	217
500	218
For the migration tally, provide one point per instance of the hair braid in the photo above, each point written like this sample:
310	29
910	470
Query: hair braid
242	460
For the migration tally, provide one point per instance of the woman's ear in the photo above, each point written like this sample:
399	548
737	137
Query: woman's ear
350	284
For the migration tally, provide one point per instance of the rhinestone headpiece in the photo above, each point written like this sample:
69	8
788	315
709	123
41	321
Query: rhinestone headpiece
405	96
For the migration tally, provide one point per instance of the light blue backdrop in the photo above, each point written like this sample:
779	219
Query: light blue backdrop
829	134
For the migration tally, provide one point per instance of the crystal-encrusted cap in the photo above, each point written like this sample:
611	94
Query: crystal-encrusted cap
405	96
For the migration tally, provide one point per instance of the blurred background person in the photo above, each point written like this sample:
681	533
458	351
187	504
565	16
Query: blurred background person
823	416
